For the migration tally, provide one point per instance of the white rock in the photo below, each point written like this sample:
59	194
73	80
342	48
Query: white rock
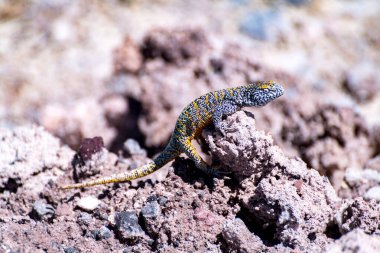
354	175
373	193
88	203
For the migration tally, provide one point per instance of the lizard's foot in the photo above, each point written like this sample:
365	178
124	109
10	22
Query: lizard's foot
216	172
221	128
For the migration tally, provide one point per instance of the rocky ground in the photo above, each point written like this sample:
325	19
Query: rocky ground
92	88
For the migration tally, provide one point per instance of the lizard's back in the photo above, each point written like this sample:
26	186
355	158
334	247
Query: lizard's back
199	113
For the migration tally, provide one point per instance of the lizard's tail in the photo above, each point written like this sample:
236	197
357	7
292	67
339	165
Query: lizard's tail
166	156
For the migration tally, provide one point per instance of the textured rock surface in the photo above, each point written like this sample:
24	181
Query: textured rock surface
236	235
125	69
279	193
273	203
359	214
28	151
330	139
355	241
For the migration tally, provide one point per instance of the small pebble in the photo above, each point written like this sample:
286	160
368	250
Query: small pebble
162	200
127	225
201	194
132	147
151	198
84	218
70	250
100	234
175	243
104	233
42	211
88	203
197	185
90	146
151	242
6	248
127	250
373	193
151	210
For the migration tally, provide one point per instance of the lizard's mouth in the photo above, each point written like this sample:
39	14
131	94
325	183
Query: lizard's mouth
276	91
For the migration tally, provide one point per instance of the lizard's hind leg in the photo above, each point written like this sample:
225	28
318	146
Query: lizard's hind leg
189	149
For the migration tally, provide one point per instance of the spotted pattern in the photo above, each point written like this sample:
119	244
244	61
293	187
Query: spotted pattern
198	114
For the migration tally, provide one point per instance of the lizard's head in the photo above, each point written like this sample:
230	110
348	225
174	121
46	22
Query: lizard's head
261	93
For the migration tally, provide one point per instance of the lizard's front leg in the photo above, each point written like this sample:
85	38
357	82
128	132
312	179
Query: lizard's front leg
225	108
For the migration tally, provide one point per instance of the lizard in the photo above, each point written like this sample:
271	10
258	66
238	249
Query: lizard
207	109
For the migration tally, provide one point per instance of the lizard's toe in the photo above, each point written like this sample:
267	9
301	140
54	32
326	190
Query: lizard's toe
222	129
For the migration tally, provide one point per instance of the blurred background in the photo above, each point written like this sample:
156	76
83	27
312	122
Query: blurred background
125	69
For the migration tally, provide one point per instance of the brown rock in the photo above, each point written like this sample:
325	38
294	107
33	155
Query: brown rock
359	214
271	193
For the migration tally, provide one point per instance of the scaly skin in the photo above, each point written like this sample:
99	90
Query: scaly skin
201	112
